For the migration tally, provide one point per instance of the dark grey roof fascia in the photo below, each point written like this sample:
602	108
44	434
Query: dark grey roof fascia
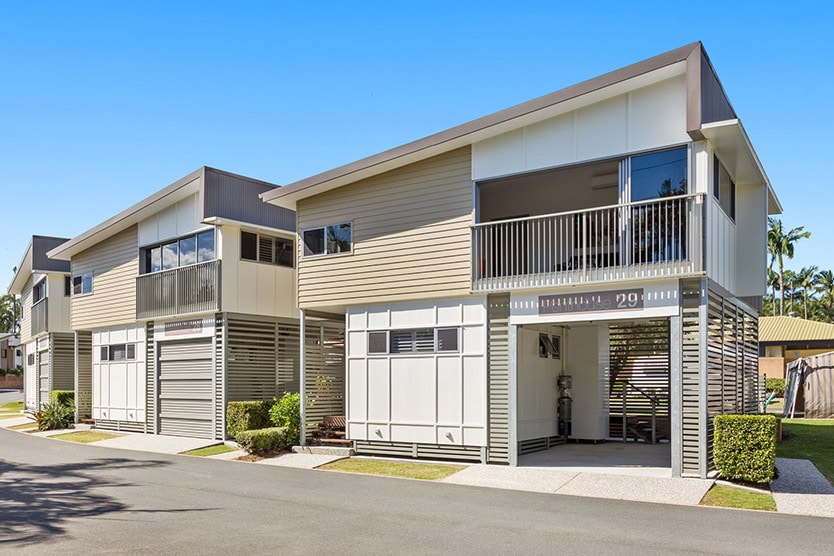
662	60
234	197
40	261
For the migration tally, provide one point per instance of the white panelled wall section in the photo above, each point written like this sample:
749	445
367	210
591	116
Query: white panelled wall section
118	379
433	397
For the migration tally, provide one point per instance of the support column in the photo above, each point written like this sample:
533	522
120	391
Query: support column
513	417
302	362
675	394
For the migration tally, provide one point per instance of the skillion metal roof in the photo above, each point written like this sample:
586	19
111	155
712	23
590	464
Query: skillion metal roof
793	329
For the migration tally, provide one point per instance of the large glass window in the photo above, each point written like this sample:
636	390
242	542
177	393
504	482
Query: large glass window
328	240
657	175
188	250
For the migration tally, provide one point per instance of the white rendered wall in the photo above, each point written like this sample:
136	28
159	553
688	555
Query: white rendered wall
646	118
59	304
537	388
433	398
250	287
587	362
751	235
119	386
179	219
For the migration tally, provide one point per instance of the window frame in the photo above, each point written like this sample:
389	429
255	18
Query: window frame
106	352
78	281
275	240
146	261
414	341
717	188
325	242
40	286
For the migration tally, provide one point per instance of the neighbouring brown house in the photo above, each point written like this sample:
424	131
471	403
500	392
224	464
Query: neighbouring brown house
786	339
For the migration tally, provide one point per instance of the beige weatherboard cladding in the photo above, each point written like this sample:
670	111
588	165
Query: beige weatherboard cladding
411	236
115	265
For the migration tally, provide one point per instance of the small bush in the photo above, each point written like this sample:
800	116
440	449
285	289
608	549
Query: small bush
244	416
65	397
263	441
775	385
55	415
744	447
286	413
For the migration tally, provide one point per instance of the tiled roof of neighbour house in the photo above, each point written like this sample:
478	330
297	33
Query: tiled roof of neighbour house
793	329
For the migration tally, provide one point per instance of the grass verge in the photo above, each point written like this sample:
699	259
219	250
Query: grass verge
809	439
405	470
84	437
24	426
13	406
729	497
209	450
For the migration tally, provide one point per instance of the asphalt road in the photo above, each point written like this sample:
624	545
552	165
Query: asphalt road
63	498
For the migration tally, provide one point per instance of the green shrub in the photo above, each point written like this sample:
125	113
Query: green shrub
286	413
263	441
744	447
64	397
55	415
244	416
775	385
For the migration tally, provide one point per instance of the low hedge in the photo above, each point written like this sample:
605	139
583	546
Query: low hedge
262	441
744	447
63	397
244	416
775	385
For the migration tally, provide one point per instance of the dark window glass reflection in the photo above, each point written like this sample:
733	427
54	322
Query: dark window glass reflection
658	175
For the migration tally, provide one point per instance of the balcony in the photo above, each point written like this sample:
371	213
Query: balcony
189	289
40	312
657	238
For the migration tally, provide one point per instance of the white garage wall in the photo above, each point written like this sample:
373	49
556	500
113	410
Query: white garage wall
419	398
31	375
119	386
647	118
537	390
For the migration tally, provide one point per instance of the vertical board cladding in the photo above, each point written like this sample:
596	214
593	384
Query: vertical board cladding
412	387
411	236
115	265
691	378
119	381
220	330
84	372
62	364
498	383
236	198
150	379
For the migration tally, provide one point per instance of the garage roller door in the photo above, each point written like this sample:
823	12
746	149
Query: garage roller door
186	391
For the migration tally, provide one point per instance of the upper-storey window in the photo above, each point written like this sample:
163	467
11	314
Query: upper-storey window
266	249
188	250
659	174
67	286
328	240
723	188
39	292
82	284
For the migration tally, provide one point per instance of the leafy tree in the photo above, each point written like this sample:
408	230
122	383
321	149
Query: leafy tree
9	313
780	244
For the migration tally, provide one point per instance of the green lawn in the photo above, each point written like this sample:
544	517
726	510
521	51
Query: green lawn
210	450
729	497
85	437
13	406
25	426
405	470
809	439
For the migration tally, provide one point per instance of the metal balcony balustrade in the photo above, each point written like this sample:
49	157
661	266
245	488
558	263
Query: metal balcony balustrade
188	289
646	239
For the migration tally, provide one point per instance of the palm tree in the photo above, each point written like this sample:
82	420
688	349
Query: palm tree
789	290
780	244
772	282
806	279
825	285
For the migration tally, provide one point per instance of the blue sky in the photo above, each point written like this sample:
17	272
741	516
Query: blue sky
103	103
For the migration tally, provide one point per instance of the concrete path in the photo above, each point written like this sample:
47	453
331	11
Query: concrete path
300	461
661	490
155	443
802	489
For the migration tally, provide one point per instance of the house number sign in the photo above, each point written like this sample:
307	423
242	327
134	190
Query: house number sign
612	300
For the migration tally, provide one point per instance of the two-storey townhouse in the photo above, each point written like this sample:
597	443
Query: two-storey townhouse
585	266
187	302
44	287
